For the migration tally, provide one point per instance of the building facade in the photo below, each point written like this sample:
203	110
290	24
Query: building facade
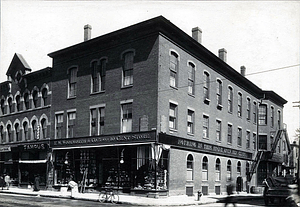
148	110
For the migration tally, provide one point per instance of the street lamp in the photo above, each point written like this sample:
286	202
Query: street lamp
122	156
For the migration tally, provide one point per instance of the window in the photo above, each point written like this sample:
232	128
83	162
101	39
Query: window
102	74
2	106
239	138
72	82
95	77
59	119
126	117
218	130
34	127
206	87
254	112
191	78
17	132
44	128
205	126
128	69
204	168
248	109
272	116
9	135
10	108
229	134
248	139
2	137
230	99
240	98
35	99
262	114
190	122
228	170
173	116
279	119
25	130
97	121
45	96
26	100
190	167
218	170
18	103
173	69
71	124
254	141
219	93
239	168
248	171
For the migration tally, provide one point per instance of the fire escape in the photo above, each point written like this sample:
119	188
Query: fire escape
264	153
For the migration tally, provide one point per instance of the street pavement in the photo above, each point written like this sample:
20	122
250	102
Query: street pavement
181	200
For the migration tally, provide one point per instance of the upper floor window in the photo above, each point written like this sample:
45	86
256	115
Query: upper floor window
190	167
254	141
26	100
240	99
128	69
34	126
239	138
262	114
230	99
10	105
248	109
17	132
190	122
218	169
2	137
95	77
229	134
173	116
279	119
228	170
45	97
191	78
9	135
272	116
3	106
205	126
71	124
173	69
35	99
239	168
102	73
248	139
219	92
254	112
59	120
43	128
126	117
72	82
206	84
97	121
18	103
204	168
25	130
218	130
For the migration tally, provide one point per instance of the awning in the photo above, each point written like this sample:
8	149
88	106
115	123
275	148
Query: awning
32	161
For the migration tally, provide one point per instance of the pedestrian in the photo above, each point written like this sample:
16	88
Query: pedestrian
7	181
36	186
230	198
2	181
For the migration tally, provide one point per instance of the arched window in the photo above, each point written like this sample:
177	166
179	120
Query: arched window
44	129
3	106
173	69
219	93
34	129
25	130
228	170
206	83
248	109
190	167
191	78
204	168
10	108
35	99
2	137
239	169
9	135
239	107
26	100
230	99
18	103
45	97
17	132
218	169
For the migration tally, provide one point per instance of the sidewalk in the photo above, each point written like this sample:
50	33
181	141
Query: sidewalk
181	200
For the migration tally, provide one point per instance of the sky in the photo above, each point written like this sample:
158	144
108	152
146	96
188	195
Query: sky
263	36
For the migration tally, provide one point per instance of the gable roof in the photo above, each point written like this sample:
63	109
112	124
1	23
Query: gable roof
18	63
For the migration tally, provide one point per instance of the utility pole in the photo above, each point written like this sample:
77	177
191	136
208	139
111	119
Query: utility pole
298	166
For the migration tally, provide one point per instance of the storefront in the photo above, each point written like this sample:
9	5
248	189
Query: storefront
132	163
9	162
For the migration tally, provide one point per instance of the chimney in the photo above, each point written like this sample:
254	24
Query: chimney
197	34
243	71
87	32
223	54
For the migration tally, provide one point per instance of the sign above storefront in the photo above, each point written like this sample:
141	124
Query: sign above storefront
5	149
40	146
104	140
203	147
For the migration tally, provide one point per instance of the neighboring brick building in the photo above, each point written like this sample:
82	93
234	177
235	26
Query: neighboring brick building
148	109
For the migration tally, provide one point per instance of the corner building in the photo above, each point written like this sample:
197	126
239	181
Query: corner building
148	110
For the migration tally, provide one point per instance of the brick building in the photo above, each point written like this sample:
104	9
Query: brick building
148	109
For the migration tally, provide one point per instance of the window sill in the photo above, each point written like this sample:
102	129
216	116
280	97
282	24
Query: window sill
174	87
219	106
192	95
129	86
207	138
190	134
207	101
173	130
70	98
229	112
95	93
